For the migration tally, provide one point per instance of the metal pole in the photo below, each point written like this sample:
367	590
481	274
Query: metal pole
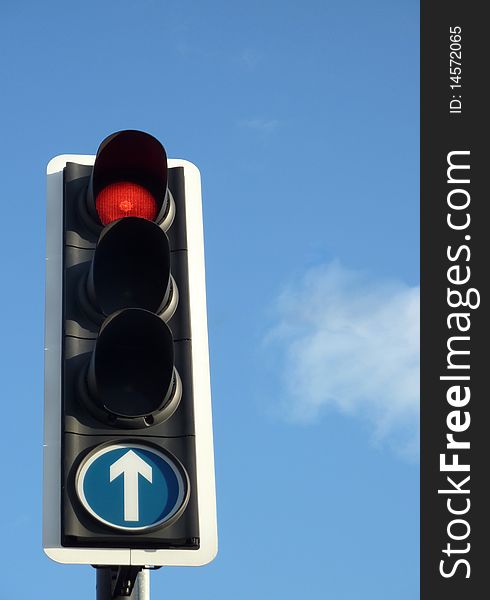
106	577
141	590
103	585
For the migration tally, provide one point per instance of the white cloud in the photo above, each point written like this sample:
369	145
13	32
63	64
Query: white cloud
262	125
250	58
351	343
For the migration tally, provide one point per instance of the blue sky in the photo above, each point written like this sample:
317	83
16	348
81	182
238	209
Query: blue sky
303	119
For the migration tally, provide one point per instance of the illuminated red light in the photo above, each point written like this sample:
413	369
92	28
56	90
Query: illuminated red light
125	199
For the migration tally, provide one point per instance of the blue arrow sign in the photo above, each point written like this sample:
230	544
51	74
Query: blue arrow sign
131	486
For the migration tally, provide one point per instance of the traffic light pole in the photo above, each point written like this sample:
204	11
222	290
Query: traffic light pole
123	583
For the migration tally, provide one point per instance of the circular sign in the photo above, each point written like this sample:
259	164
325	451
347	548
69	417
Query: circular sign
132	487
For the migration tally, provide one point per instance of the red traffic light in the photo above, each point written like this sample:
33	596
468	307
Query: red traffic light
129	179
125	199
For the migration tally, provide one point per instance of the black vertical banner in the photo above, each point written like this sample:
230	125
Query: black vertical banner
455	311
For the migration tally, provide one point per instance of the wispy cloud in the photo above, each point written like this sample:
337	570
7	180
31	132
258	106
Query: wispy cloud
350	343
250	58
265	126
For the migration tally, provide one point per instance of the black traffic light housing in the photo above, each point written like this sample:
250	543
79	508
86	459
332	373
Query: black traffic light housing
126	340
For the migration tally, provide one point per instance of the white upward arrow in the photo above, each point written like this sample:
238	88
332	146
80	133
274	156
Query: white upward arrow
130	465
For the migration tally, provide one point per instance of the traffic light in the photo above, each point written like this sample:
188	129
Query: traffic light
128	453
